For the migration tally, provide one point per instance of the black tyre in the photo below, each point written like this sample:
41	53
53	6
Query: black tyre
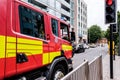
58	72
79	50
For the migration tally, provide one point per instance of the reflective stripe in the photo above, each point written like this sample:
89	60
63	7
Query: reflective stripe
2	46
10	53
29	47
11	39
28	41
45	58
11	47
29	52
54	54
11	50
66	47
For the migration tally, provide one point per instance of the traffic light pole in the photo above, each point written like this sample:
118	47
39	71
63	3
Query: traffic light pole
119	39
111	52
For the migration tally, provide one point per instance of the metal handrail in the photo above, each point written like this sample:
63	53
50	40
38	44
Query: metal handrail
87	71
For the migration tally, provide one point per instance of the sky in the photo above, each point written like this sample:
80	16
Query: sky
95	13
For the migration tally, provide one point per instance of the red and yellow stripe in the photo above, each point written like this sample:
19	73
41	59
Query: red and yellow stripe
29	47
66	47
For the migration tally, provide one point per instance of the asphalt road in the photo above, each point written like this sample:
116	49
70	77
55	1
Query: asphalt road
89	55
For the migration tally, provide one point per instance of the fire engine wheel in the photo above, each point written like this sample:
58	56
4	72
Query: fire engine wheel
58	72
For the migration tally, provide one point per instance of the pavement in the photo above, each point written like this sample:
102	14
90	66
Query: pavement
106	68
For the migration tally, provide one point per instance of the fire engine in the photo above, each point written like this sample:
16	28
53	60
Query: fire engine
33	43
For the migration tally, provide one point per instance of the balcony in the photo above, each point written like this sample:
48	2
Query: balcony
65	12
44	2
64	3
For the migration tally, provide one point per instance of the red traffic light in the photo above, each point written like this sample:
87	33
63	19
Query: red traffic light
109	2
110	11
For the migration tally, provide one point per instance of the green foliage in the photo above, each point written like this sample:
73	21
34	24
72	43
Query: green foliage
94	33
103	33
116	35
118	19
107	33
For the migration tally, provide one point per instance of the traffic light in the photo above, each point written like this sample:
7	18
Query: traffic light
110	11
114	28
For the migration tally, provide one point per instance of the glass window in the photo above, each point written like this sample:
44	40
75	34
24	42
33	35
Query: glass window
72	14
78	16
78	1
79	9
79	23
54	26
31	23
64	31
72	5
72	21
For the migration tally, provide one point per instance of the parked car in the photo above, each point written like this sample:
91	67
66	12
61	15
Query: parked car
80	48
86	46
102	45
92	45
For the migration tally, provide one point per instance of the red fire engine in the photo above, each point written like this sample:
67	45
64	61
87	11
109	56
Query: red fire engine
33	43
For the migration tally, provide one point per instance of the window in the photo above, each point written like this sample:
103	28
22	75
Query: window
79	9
78	16
64	31
79	23
72	5
31	23
54	26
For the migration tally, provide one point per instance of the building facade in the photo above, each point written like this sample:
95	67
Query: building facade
60	8
80	24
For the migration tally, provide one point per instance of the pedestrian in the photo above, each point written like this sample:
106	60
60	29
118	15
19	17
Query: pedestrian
72	35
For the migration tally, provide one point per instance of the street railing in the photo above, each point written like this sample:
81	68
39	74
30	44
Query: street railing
87	71
95	69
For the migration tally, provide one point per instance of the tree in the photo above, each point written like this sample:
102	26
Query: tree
118	39
107	34
94	33
103	33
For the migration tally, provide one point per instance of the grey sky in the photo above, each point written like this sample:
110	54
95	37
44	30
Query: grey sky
96	12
